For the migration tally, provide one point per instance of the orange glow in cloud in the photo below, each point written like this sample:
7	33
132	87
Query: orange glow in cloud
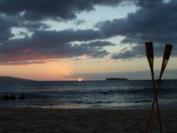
53	70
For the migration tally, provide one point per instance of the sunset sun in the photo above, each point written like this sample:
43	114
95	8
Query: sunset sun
79	79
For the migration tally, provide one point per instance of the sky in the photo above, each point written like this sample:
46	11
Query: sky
85	39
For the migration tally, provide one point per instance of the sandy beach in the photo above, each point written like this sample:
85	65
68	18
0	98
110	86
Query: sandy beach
29	120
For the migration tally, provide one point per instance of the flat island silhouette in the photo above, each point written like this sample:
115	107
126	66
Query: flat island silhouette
116	79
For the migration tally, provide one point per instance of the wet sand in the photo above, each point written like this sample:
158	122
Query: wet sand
30	120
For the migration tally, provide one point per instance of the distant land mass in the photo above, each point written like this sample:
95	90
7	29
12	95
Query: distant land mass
116	79
12	79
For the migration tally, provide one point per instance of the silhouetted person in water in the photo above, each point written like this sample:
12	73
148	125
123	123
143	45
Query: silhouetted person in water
22	97
12	97
5	97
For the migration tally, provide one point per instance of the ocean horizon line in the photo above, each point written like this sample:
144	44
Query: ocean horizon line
13	78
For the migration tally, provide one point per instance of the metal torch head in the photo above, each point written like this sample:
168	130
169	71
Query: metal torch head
150	54
166	56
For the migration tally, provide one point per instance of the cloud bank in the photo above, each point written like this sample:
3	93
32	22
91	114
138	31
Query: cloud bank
154	20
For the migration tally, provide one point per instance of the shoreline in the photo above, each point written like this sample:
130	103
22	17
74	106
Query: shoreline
42	120
77	107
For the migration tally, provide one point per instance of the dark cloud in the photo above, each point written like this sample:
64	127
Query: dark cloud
157	22
46	45
5	28
138	51
7	23
55	9
148	3
153	21
68	35
49	45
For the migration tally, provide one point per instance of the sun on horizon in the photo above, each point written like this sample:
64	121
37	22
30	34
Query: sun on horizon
79	79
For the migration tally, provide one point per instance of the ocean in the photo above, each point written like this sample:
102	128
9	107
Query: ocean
87	94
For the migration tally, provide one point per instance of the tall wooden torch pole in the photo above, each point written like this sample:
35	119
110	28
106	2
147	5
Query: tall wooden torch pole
166	56
150	57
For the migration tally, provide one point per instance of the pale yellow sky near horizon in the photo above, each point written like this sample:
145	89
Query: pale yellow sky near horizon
67	69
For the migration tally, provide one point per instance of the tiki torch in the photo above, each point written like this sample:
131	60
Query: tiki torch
150	57
166	56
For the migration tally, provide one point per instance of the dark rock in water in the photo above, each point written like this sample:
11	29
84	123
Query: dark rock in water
5	97
12	97
22	97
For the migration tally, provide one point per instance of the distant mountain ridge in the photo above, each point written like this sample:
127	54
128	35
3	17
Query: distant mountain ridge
12	79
